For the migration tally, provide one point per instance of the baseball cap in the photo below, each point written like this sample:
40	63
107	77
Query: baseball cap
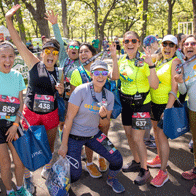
51	44
149	40
170	38
98	64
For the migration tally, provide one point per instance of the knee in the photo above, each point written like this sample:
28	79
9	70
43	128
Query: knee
137	139
117	162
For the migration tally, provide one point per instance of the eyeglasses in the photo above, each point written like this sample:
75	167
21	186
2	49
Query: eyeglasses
97	73
189	43
54	52
133	41
74	47
171	45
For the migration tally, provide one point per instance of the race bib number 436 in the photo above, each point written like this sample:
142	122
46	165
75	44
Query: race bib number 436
141	120
9	105
43	103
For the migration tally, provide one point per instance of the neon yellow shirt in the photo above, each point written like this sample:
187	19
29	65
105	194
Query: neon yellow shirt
135	79
161	95
76	79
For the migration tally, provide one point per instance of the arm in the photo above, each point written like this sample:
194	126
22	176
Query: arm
53	20
114	74
12	131
29	58
71	113
72	88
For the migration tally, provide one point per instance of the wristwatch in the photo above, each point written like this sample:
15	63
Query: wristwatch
103	117
153	66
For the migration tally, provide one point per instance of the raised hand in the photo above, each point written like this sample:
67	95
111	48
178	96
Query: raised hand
51	17
147	57
12	11
112	48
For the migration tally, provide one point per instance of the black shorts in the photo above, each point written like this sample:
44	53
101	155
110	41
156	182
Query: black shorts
4	126
157	110
128	110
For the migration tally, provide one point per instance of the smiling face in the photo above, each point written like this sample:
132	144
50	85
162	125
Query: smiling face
73	53
189	50
131	48
84	54
167	51
7	57
49	59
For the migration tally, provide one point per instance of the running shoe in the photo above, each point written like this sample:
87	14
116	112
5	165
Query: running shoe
193	189
23	192
45	173
28	184
12	194
189	175
116	185
102	165
150	144
131	167
142	177
160	179
156	162
93	171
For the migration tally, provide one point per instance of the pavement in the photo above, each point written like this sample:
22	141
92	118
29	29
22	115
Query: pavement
181	159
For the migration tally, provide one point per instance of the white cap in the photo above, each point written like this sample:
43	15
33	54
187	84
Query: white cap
170	38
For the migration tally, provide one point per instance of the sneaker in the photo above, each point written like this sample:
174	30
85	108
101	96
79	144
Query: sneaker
193	190
156	162
160	179
150	144
45	173
93	171
102	165
189	175
131	167
12	194
28	184
116	185
23	192
152	139
142	177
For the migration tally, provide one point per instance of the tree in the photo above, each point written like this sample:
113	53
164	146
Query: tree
38	16
194	16
171	5
64	18
144	17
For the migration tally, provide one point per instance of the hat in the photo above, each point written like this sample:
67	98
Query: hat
43	37
98	64
170	38
51	44
149	40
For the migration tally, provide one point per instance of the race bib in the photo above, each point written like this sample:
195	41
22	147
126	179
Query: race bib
106	143
9	105
141	120
43	103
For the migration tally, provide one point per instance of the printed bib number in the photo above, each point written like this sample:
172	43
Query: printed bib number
141	120
43	103
106	143
9	105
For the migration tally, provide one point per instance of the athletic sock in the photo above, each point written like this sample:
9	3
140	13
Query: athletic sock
88	164
27	173
18	187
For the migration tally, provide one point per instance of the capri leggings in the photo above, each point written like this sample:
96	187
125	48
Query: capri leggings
97	144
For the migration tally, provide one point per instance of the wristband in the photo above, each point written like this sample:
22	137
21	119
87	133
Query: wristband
103	117
153	66
16	124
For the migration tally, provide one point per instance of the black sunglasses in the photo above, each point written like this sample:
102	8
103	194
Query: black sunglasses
171	45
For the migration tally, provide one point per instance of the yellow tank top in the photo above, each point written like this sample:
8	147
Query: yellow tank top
134	78
161	95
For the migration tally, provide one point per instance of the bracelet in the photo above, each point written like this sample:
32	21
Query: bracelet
153	66
103	117
16	124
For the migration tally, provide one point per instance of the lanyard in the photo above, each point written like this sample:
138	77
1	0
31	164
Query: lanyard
85	77
104	100
165	61
67	65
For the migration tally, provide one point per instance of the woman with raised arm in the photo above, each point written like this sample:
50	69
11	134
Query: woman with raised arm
41	87
11	101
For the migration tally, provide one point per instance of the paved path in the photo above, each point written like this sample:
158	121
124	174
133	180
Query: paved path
180	160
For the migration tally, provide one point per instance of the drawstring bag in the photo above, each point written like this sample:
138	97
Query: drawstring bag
58	181
33	147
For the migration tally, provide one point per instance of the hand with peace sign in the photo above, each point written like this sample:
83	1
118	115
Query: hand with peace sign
147	57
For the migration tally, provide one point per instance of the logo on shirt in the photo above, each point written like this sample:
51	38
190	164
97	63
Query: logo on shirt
93	107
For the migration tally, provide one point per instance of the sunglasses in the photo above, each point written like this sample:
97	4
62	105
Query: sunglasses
165	44
189	43
133	41
54	52
74	47
97	73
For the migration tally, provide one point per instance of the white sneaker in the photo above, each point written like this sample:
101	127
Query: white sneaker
45	173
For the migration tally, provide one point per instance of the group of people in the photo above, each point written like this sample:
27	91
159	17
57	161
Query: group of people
149	85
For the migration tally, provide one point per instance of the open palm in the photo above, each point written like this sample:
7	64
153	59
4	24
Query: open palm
51	17
12	11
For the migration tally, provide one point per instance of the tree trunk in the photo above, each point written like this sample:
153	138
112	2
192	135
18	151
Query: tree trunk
144	17
39	15
64	18
96	19
194	17
171	4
